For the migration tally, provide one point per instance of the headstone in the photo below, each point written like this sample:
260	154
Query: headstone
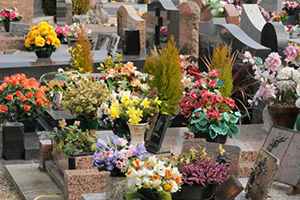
262	175
272	5
231	14
252	21
205	14
189	27
18	29
128	18
161	13
38	8
64	12
274	36
25	7
212	148
229	189
199	3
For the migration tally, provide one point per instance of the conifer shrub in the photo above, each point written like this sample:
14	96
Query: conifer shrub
80	7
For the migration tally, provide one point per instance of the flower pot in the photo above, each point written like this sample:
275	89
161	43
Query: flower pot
194	193
116	187
88	124
201	134
219	139
29	126
6	24
291	20
283	116
137	132
13	141
44	53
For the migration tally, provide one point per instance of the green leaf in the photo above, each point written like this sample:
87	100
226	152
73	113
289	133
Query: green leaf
226	116
194	121
134	195
201	128
224	127
233	119
220	83
163	195
258	61
234	129
238	114
212	133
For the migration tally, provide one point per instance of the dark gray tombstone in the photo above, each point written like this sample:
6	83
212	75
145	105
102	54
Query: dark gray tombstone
252	21
161	13
38	8
262	175
274	36
18	29
64	12
272	5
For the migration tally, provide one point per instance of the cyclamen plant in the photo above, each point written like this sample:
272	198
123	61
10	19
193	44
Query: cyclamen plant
11	14
115	155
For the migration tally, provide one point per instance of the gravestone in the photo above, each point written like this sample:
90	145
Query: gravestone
272	5
262	175
199	3
212	148
25	7
231	14
252	21
128	18
274	36
189	27
161	13
64	12
205	14
18	29
229	189
38	8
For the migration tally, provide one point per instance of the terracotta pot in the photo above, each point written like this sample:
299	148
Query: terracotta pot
283	116
137	132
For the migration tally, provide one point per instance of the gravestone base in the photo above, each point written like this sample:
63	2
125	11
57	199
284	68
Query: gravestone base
7	41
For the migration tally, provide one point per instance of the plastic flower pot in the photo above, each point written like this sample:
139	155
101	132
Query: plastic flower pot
44	53
194	193
221	139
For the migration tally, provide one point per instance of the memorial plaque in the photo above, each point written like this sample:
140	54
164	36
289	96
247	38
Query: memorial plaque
229	189
212	148
262	176
113	44
19	29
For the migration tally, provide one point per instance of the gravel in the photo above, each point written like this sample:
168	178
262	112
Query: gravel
7	190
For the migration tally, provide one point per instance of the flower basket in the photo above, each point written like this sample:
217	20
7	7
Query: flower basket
283	116
194	192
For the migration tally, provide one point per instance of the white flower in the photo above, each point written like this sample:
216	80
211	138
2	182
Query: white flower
298	103
60	70
145	87
175	187
99	113
222	4
214	12
221	10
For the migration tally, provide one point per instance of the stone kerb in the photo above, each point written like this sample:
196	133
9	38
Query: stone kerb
232	15
189	27
130	19
25	7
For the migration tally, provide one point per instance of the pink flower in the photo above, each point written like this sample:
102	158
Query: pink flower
65	33
6	14
122	142
75	35
12	15
58	30
193	95
189	105
131	151
109	154
273	61
212	83
79	30
123	154
119	164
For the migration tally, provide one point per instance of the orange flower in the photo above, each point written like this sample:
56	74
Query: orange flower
6	79
15	82
42	88
27	107
39	102
23	98
10	97
3	109
155	177
167	174
168	186
30	94
33	83
40	95
18	93
177	179
137	163
3	85
1	88
129	172
47	102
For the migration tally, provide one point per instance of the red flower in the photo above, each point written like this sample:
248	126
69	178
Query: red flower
182	103
47	102
15	82
30	94
40	95
23	98
3	109
193	95
6	79
27	107
189	105
10	97
18	93
39	102
196	105
185	112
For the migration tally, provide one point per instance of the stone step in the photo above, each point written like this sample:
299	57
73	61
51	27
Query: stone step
31	146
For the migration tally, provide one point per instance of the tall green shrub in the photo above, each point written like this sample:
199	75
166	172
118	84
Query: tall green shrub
80	7
166	70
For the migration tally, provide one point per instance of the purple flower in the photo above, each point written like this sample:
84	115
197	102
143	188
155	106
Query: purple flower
114	140
141	152
102	144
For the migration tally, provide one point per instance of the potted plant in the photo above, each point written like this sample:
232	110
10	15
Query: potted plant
75	30
9	15
278	85
115	156
152	179
83	98
290	7
62	32
165	70
22	99
42	39
69	142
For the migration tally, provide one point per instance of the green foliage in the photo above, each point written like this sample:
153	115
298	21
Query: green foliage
224	60
85	97
109	64
81	55
80	6
72	140
166	70
148	194
49	7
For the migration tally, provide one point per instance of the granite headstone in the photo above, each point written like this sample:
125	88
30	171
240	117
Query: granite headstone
272	5
18	29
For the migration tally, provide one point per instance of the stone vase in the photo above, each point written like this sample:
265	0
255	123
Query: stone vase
116	188
137	132
283	116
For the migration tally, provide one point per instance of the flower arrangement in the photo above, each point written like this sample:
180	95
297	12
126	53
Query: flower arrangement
163	34
278	85
75	29
84	97
281	17
152	179
215	116
72	140
115	155
216	6
22	98
289	6
292	54
292	31
42	37
62	33
12	14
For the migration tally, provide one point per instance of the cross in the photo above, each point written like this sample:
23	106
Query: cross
158	24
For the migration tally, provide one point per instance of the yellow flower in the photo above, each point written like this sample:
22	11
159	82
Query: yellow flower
42	24
50	39
39	41
139	113
125	97
126	103
167	187
221	150
35	34
52	33
158	102
115	105
43	30
114	113
28	42
57	42
50	27
34	28
145	103
29	35
131	111
134	120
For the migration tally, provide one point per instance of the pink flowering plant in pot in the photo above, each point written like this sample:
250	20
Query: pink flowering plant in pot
62	33
75	29
12	14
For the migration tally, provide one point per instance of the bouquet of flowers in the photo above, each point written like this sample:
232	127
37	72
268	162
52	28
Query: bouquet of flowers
115	155
289	6
42	37
152	179
22	98
62	33
281	17
216	6
75	29
11	14
292	54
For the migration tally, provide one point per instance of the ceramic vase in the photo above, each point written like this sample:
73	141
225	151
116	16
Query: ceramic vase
137	132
